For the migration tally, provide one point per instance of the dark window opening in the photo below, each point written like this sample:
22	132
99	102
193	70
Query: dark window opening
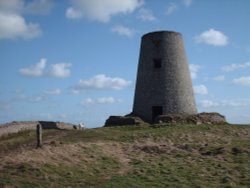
157	43
156	111
157	63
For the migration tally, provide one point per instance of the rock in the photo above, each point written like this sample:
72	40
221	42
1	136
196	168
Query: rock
212	118
122	120
201	118
151	149
236	151
171	118
212	151
16	126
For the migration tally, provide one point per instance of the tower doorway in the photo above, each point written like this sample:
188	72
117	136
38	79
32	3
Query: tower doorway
156	111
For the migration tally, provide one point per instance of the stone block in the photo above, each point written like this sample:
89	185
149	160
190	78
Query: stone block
122	120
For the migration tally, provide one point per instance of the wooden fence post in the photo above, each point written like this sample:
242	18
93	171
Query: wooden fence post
39	135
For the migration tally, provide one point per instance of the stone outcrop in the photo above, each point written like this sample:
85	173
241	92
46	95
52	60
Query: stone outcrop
16	126
201	118
123	120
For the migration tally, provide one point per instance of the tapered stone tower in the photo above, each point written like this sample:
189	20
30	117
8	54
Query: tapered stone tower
163	83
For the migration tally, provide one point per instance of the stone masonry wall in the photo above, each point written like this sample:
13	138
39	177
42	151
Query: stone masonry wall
170	85
17	126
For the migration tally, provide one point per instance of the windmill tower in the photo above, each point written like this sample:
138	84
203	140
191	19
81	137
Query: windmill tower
163	84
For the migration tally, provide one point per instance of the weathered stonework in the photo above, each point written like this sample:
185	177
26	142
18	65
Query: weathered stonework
17	126
163	83
201	118
122	120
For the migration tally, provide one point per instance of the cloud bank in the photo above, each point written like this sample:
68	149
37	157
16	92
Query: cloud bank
103	100
36	70
102	81
233	67
123	31
242	81
12	22
59	70
194	70
200	89
146	15
171	9
101	11
212	37
225	103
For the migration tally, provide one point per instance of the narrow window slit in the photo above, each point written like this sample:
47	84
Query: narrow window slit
157	63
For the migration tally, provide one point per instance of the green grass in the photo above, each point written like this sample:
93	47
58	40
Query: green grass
129	156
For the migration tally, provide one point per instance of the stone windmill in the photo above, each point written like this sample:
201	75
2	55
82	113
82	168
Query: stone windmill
163	86
163	83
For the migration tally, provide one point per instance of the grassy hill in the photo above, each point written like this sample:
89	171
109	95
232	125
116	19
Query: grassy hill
164	156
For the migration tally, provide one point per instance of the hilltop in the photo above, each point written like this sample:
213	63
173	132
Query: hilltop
129	156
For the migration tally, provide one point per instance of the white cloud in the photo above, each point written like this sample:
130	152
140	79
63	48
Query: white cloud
212	37
225	103
124	31
194	70
208	103
200	89
74	91
60	70
26	7
13	6
87	101
103	100
53	91
36	98
242	81
25	98
39	7
72	13
171	8
101	11
235	103
12	23
187	2
14	26
102	81
219	78
36	70
106	100
146	15
233	67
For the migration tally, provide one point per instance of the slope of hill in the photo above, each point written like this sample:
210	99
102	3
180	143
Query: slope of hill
129	156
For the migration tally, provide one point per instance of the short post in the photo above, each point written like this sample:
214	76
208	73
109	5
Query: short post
39	135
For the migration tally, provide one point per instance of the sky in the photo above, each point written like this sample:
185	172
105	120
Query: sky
76	60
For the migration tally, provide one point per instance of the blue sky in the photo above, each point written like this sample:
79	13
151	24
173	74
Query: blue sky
76	60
